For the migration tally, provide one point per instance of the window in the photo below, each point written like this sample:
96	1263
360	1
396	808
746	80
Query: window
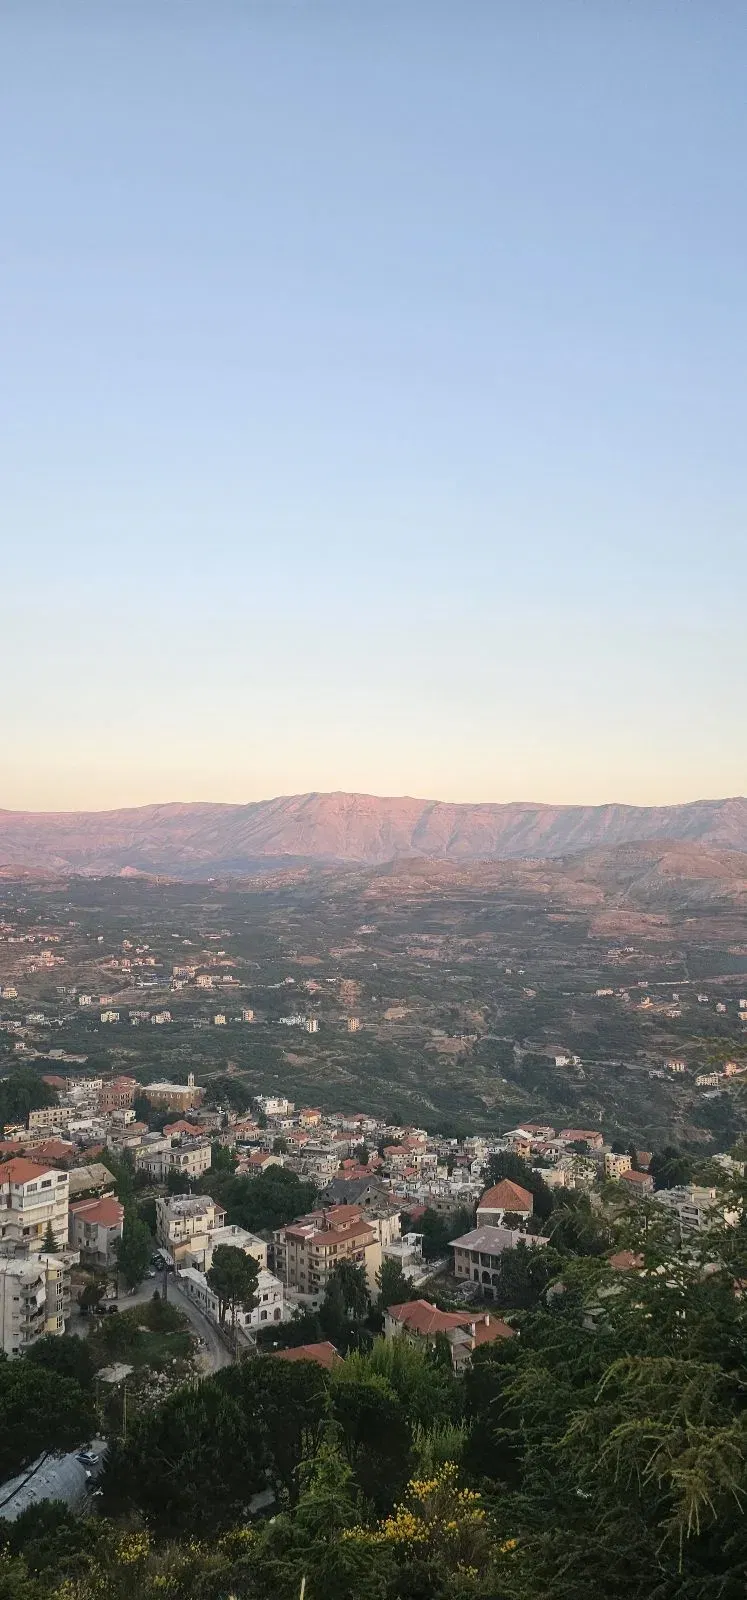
46	1183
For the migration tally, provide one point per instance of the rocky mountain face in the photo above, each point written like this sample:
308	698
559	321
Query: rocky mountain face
202	840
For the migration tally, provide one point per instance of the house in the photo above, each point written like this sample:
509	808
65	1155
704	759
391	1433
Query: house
676	1064
95	1230
269	1294
421	1324
92	1179
201	1251
363	1191
163	1156
32	1199
590	1136
504	1197
638	1182
477	1253
308	1250
324	1354
118	1093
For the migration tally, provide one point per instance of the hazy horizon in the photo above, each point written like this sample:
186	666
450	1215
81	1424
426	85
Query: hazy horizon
372	416
359	794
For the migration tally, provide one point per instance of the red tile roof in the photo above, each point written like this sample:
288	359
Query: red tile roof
506	1196
638	1179
423	1318
20	1171
107	1212
324	1354
625	1261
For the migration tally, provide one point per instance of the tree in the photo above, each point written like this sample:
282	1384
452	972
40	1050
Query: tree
352	1280
505	1164
222	1159
523	1275
91	1295
64	1354
39	1410
20	1093
49	1243
332	1312
232	1277
394	1288
362	1154
268	1201
280	1146
135	1248
669	1168
374	1432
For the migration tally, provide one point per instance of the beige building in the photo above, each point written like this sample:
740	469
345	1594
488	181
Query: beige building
161	1157
174	1096
308	1250
31	1197
616	1164
185	1224
48	1117
34	1300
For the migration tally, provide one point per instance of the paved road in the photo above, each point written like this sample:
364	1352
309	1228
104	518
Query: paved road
212	1354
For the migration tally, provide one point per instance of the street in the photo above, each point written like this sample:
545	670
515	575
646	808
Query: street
212	1354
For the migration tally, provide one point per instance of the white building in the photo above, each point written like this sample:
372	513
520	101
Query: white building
31	1199
271	1304
34	1300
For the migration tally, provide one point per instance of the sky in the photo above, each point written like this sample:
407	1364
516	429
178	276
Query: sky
373	379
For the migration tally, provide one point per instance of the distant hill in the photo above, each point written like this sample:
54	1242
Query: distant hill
202	840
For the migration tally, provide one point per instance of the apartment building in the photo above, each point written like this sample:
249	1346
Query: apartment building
695	1206
161	1157
308	1250
118	1095
615	1164
45	1118
186	1222
31	1198
95	1230
34	1300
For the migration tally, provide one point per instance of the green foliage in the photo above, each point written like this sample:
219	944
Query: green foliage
233	1279
505	1164
64	1354
135	1246
39	1410
274	1197
20	1093
394	1288
352	1281
669	1168
523	1275
224	1089
374	1432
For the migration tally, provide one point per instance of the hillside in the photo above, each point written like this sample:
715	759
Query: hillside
199	840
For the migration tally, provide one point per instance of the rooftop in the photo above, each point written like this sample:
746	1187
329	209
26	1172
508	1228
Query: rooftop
506	1196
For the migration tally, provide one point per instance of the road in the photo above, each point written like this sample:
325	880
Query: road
212	1355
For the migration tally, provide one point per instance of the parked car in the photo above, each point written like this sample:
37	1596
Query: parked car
110	1310
88	1458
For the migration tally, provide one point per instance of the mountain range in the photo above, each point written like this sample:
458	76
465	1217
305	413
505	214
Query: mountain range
202	840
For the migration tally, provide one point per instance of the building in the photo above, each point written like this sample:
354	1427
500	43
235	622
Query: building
708	1080
504	1197
694	1205
95	1230
161	1156
421	1324
615	1164
185	1223
275	1105
407	1251
174	1096
590	1136
477	1253
200	1253
270	1298
109	1016
118	1094
32	1199
308	1250
363	1192
353	1024
324	1354
638	1182
45	1118
676	1064
34	1300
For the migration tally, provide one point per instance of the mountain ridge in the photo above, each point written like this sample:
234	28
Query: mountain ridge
201	838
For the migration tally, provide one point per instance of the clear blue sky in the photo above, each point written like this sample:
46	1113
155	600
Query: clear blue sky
372	410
